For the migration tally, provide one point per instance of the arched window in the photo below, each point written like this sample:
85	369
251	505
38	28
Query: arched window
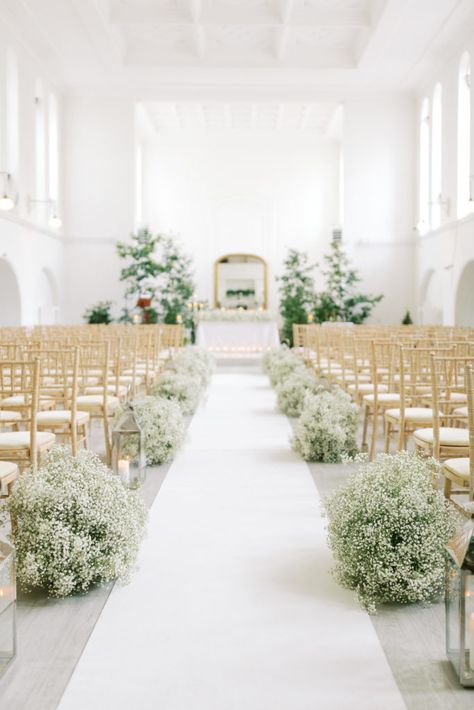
53	148
436	157
40	142
464	134
424	170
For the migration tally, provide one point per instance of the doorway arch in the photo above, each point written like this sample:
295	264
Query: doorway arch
464	314
10	298
47	298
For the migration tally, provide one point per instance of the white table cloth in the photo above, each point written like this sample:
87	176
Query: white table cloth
241	336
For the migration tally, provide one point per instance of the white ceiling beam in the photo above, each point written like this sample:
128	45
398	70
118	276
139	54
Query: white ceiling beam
195	10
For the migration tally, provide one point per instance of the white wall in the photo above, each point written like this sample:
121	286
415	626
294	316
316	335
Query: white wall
225	192
442	255
99	199
379	200
29	246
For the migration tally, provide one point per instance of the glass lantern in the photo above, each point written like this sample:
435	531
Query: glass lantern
460	604
128	450
7	606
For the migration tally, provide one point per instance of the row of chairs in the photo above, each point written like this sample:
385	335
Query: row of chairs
53	384
411	383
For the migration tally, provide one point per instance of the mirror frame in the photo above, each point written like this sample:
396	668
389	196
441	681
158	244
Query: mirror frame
223	258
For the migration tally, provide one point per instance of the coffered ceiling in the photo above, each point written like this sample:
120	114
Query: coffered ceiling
236	51
256	33
241	116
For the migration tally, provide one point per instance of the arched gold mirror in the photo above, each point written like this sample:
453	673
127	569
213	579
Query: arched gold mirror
240	281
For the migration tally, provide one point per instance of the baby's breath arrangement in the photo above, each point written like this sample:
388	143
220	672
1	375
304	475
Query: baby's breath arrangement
75	524
181	388
195	362
387	529
282	365
326	429
291	392
163	427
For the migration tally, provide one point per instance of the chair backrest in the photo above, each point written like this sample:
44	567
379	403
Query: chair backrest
19	379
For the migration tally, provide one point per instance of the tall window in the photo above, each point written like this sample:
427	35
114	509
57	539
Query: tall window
424	171
138	186
12	127
40	142
53	148
464	134
436	157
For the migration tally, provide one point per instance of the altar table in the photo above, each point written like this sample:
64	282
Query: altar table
248	336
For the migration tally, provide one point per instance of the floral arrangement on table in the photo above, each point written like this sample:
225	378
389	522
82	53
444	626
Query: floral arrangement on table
235	314
388	526
291	392
163	425
326	430
180	387
74	524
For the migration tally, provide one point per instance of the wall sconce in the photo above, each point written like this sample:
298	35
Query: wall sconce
54	221
471	193
7	203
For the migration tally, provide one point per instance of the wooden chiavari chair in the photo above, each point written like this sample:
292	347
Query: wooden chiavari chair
20	379
59	380
415	387
443	440
460	471
102	406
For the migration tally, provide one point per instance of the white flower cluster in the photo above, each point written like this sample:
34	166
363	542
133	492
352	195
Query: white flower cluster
194	362
163	426
326	429
280	363
387	529
184	389
235	314
74	524
292	391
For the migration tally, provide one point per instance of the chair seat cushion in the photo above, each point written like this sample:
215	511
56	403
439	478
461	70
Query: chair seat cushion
412	414
460	467
9	472
94	402
122	389
448	436
461	411
457	396
392	397
367	387
7	416
18	400
60	416
351	378
21	439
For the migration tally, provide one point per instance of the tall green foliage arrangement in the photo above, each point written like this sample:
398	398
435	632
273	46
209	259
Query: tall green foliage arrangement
296	292
341	301
159	270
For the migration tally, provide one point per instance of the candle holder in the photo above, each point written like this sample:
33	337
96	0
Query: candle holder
7	606
128	449
460	604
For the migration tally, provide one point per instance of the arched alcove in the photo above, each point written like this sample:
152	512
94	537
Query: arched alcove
431	295
10	299
47	298
465	296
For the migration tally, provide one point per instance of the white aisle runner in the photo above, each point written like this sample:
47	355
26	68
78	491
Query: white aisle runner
233	606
